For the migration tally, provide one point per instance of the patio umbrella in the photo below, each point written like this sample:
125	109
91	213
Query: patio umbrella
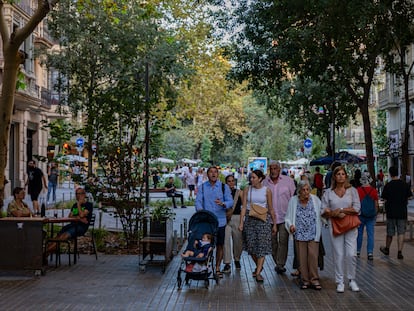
342	157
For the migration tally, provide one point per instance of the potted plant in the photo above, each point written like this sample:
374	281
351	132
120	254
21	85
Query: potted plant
160	219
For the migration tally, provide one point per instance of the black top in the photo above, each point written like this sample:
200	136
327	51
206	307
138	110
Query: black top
237	208
396	194
35	183
75	212
170	185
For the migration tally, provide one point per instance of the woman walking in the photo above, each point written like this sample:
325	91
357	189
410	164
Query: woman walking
257	233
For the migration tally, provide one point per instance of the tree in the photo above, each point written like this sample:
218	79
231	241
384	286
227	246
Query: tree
13	57
334	40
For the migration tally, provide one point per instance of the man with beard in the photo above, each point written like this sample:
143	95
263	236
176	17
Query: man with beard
35	181
283	188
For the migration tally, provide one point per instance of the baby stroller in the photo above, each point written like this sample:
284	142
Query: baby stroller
200	268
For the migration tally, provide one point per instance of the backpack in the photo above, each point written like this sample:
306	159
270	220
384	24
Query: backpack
368	209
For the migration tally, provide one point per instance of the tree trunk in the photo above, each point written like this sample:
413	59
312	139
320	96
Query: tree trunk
364	109
12	60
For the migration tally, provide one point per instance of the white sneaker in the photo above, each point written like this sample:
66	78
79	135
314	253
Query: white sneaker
340	288
353	286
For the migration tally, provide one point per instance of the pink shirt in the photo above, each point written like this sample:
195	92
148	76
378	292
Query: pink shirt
282	191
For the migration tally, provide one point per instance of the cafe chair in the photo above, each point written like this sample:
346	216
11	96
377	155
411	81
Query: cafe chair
58	249
92	234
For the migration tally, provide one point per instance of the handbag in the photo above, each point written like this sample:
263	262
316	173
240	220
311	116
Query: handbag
257	211
343	225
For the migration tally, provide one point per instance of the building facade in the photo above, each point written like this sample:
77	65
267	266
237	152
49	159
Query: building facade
33	104
392	100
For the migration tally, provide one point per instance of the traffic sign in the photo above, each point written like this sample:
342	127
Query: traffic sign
307	143
80	141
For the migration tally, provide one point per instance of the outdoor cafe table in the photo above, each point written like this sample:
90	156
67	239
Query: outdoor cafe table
21	243
62	220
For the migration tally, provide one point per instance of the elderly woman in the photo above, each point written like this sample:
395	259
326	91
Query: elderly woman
340	200
18	208
303	220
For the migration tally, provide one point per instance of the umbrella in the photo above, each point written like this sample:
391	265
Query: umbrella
342	157
75	158
162	160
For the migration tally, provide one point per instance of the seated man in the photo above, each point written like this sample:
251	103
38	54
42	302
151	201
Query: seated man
172	193
201	247
82	210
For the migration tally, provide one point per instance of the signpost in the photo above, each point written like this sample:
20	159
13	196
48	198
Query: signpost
307	145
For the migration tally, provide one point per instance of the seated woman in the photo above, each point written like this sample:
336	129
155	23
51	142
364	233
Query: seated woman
18	208
201	247
81	210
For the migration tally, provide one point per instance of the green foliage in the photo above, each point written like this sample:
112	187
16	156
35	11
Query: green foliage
206	146
20	84
60	131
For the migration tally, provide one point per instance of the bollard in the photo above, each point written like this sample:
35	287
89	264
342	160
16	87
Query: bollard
185	228
100	215
175	241
181	234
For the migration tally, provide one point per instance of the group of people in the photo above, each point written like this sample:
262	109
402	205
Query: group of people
36	181
296	211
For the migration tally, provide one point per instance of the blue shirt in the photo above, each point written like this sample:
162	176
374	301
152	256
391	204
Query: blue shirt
206	196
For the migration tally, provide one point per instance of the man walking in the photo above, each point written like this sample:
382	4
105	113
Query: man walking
396	194
53	175
35	181
214	196
283	188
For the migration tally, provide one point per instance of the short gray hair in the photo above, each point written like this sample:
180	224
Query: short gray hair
302	184
274	162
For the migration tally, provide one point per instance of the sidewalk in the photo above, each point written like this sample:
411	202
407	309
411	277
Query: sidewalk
114	282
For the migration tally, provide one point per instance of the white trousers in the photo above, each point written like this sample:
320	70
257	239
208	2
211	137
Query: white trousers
233	240
344	254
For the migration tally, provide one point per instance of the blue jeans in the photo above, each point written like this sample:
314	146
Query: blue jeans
369	223
51	187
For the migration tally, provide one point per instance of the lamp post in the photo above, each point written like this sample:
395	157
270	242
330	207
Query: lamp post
147	135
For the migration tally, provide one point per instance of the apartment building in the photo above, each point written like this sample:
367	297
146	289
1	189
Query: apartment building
32	104
392	99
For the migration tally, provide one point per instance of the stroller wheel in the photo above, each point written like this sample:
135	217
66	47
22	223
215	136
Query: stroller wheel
206	283
179	282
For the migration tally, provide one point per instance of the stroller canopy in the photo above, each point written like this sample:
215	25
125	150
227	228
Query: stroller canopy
202	222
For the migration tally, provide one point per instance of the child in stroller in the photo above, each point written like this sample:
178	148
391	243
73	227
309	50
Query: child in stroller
201	247
197	259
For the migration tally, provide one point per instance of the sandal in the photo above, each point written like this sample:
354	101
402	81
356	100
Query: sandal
295	273
316	286
254	274
259	278
219	274
304	286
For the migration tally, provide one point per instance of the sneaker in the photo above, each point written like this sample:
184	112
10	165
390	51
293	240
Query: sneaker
358	254
400	255
183	206
340	288
353	286
385	250
370	256
237	264
226	269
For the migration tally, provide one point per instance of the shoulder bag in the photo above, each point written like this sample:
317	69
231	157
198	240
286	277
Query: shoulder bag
257	211
343	225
